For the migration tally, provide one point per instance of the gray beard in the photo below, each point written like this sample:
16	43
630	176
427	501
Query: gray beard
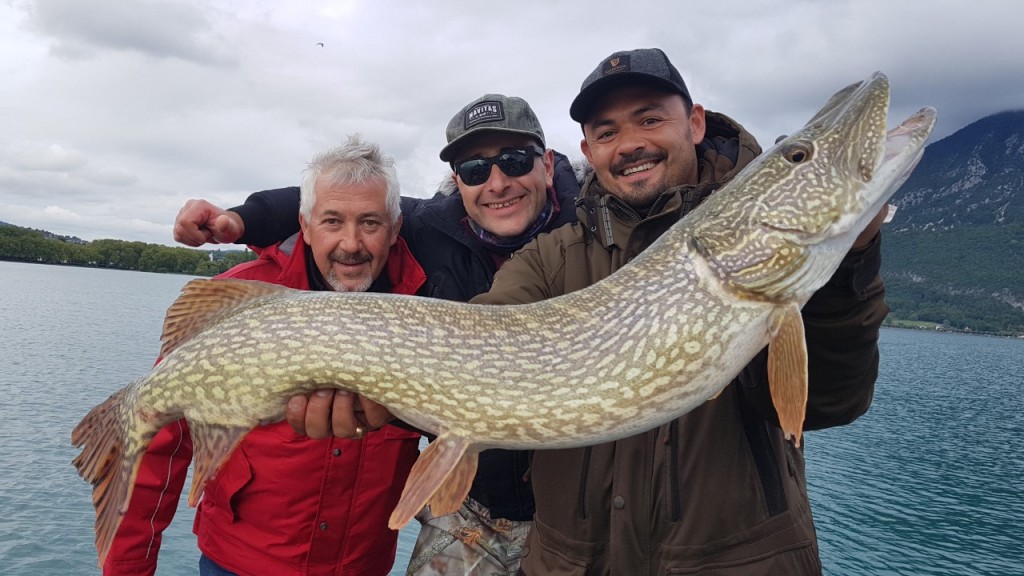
340	286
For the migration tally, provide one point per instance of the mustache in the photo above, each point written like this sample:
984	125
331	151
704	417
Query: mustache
635	158
350	258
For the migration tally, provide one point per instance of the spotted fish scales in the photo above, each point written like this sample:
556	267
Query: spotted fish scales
652	341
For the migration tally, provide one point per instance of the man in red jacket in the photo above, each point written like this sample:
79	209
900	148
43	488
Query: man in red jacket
285	504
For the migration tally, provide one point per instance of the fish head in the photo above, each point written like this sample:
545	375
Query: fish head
781	227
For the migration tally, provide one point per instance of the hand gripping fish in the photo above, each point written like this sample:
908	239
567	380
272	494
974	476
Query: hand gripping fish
672	329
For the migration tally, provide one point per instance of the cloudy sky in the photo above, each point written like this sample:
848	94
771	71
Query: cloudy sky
113	113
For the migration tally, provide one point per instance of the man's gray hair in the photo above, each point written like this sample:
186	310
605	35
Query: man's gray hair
356	162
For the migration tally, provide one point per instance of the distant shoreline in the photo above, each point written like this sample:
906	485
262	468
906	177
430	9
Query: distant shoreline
1012	335
94	266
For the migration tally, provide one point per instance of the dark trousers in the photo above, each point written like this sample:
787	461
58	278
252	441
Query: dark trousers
208	567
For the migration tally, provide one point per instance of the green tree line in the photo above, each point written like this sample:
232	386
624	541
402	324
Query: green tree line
27	245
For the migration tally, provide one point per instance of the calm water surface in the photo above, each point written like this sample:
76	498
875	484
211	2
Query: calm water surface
929	482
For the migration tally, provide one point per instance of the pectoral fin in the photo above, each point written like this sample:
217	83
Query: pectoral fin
442	476
212	446
787	370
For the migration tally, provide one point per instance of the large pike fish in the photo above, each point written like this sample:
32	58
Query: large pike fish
673	327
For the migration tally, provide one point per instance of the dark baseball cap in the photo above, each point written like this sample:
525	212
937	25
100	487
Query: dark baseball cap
643	66
491	113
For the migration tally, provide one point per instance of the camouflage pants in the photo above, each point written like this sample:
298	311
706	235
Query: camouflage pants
467	543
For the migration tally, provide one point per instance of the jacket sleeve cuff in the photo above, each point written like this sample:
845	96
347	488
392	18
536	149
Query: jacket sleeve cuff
254	221
270	216
145	567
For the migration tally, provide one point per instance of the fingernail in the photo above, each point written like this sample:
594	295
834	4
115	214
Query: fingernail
323	393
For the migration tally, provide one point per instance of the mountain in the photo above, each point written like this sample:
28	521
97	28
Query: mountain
975	177
954	251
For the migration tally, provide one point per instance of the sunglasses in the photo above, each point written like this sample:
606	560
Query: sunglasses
513	163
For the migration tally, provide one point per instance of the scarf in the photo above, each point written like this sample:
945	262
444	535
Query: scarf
504	245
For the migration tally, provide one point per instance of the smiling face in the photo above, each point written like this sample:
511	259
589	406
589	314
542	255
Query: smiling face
505	205
350	233
640	141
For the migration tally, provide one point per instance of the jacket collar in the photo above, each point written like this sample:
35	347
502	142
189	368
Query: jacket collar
404	272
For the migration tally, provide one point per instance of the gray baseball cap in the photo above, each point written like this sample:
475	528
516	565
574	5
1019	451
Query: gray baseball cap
643	66
491	113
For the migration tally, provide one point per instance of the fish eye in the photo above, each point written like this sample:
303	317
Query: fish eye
797	152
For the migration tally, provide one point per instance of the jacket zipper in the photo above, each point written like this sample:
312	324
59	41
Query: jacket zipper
673	472
763	454
582	504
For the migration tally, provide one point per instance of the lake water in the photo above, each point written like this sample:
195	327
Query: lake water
929	482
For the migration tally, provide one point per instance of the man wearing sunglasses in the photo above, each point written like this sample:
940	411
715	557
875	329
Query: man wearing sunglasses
505	188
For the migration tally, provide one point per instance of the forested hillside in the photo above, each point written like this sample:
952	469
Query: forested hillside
954	252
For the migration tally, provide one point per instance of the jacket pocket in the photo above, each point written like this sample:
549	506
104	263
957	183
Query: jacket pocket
220	494
783	544
800	559
548	553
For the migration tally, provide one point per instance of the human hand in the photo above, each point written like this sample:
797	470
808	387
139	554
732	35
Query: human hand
871	230
339	412
200	222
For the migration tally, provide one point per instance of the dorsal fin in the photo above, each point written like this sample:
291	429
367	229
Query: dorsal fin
205	301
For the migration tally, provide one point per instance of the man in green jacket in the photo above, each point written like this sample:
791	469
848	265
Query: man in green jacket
719	490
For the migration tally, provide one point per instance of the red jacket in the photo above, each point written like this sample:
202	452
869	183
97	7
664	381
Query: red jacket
282	503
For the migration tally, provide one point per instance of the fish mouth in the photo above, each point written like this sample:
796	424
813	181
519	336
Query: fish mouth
907	140
901	150
886	157
878	160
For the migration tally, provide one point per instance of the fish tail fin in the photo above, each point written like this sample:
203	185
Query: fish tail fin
442	476
104	464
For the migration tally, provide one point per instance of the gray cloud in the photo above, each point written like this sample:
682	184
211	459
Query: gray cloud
159	29
115	113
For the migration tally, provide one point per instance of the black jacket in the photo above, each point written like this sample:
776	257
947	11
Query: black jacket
458	267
